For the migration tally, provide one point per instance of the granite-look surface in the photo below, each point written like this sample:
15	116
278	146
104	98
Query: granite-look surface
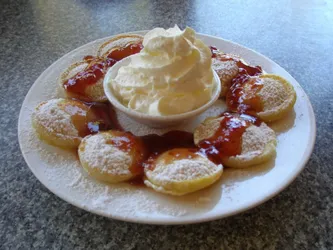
296	34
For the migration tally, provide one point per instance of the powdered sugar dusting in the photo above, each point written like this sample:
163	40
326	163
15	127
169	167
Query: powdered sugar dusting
182	170
97	153
55	119
226	70
256	138
273	94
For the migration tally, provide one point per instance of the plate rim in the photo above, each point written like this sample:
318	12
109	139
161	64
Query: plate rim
191	220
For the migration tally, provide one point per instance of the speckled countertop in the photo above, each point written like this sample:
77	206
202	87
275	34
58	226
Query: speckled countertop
296	34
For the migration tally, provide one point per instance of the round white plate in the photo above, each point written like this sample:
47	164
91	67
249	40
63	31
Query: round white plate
237	191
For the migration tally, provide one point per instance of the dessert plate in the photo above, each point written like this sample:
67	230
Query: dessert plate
237	190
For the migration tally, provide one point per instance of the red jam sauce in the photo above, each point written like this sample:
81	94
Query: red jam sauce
158	144
227	140
128	142
96	69
242	97
155	145
215	52
243	94
121	53
94	72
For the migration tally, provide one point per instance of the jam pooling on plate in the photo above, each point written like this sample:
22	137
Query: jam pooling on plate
126	51
94	72
227	140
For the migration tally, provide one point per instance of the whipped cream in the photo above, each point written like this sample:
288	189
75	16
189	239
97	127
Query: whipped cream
171	75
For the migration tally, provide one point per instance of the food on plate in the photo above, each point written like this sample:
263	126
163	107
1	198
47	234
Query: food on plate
267	96
181	171
121	46
112	156
171	75
64	122
236	140
215	51
229	66
169	72
278	97
226	70
84	80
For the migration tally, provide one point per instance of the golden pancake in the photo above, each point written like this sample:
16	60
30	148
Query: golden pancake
59	122
268	96
111	156
237	141
121	46
181	171
84	80
226	68
278	97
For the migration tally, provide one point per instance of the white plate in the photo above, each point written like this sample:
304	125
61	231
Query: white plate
237	191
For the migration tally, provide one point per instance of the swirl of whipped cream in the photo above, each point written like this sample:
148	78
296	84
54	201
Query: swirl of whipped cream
171	75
